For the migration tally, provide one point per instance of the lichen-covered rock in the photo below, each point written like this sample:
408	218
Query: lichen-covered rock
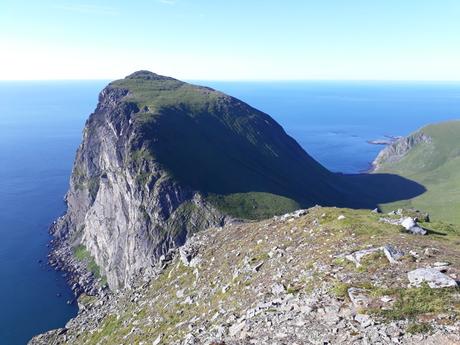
357	256
392	253
432	277
411	225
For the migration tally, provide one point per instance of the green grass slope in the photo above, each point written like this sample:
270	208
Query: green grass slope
238	156
308	251
435	165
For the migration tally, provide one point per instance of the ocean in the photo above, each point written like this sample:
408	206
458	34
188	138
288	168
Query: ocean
333	121
40	129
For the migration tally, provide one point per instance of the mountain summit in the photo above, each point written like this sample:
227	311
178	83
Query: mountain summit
163	173
217	144
162	159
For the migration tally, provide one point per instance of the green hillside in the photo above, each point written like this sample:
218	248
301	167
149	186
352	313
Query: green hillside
238	156
435	164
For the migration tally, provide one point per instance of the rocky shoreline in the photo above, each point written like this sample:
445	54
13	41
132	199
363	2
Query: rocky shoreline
62	258
94	300
396	150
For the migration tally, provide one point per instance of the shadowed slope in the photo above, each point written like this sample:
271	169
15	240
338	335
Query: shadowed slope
238	156
371	190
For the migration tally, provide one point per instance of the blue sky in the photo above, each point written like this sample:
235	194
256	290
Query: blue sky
231	40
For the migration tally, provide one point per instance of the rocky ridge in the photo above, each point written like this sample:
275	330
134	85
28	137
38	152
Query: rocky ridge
291	279
396	151
162	159
124	209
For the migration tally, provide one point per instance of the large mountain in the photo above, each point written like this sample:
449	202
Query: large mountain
430	156
217	144
161	159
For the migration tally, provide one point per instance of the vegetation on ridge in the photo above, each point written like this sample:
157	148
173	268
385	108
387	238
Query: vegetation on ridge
299	253
237	156
224	148
436	166
82	254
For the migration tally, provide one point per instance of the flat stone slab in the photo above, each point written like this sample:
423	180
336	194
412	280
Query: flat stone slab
356	257
392	253
432	277
358	297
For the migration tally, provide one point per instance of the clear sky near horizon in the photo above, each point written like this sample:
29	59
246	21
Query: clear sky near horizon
231	40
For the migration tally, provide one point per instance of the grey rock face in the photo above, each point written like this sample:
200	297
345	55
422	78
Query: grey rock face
122	206
432	277
188	254
393	254
357	256
398	149
358	297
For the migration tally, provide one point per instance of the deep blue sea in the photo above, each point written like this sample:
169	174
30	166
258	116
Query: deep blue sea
40	129
334	120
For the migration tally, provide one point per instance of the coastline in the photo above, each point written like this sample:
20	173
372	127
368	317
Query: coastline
61	258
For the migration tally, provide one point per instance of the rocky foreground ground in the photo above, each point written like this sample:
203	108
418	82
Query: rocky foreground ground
316	276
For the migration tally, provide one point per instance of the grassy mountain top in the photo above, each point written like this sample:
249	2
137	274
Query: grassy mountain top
238	156
286	280
435	164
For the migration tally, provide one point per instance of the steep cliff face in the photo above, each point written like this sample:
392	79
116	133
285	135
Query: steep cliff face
123	207
161	159
396	151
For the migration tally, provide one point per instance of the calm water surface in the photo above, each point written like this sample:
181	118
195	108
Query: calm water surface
40	128
334	120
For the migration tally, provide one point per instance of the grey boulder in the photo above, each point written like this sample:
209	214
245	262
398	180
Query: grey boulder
411	225
432	277
393	254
